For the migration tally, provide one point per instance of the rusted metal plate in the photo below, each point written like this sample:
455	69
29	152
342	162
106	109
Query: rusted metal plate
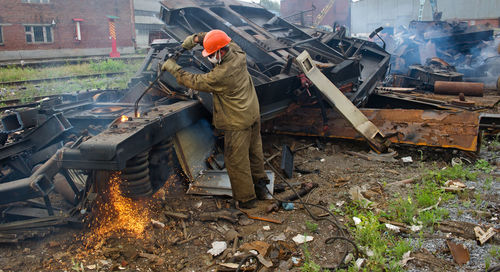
414	127
459	252
442	101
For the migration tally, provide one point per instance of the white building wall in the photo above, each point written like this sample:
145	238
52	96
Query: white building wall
367	15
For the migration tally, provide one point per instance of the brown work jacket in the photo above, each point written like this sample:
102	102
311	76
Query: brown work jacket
236	106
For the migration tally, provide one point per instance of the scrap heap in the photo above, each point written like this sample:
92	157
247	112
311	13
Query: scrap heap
305	81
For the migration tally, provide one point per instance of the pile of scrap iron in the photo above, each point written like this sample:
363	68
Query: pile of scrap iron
308	83
430	51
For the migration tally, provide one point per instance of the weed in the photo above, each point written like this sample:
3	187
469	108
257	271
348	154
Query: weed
478	201
484	166
495	252
450	173
311	226
424	195
466	203
387	250
108	66
77	266
432	217
488	182
309	264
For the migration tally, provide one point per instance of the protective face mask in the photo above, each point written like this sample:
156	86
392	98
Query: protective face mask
215	59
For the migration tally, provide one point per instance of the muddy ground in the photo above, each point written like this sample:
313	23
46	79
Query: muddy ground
182	244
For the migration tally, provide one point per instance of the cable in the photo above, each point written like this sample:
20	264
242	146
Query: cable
332	220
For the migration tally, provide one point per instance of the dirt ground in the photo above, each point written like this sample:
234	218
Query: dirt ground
182	244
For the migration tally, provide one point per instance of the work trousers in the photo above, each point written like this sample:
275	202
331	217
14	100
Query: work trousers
244	160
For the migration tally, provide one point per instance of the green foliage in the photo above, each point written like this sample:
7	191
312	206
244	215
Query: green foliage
484	166
387	249
450	173
495	252
12	73
108	66
311	226
270	5
56	87
309	264
426	194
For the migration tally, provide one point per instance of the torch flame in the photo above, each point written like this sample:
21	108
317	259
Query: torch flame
124	118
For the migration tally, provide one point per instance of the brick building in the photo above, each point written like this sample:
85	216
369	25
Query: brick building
36	29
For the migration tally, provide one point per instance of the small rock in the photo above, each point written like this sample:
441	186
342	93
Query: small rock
280	237
217	248
26	251
266	228
300	239
91	267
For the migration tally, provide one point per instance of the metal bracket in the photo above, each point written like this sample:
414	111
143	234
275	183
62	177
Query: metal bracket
343	105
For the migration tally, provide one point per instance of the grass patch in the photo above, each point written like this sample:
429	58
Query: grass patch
29	91
311	226
426	194
107	66
309	264
484	165
386	250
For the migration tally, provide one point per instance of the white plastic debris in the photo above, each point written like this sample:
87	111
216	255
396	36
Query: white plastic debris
415	228
295	260
406	259
356	220
392	227
359	263
217	248
340	203
300	239
322	160
407	159
266	228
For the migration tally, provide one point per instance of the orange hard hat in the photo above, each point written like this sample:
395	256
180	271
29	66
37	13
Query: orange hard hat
213	41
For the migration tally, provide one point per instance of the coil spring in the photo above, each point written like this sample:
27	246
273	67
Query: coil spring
136	177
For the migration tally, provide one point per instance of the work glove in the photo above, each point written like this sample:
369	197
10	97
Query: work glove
189	43
170	66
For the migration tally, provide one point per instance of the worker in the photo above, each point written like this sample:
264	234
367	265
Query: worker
235	111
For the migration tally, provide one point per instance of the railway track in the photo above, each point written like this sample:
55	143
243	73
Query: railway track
36	81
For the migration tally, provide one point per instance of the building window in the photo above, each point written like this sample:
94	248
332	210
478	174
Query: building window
38	34
36	1
1	35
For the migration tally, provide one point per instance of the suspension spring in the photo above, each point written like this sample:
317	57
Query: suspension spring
136	182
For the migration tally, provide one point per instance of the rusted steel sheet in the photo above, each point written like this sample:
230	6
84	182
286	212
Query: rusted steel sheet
414	127
444	102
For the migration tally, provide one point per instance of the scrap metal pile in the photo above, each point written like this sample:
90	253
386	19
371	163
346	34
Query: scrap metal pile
308	83
430	51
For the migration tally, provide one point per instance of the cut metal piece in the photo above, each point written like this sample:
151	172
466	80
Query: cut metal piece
217	183
459	252
340	102
483	236
287	161
193	146
455	88
414	127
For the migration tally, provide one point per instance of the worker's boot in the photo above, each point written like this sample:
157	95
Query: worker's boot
250	204
261	189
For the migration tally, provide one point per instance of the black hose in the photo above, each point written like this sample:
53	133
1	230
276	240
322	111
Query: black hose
330	218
